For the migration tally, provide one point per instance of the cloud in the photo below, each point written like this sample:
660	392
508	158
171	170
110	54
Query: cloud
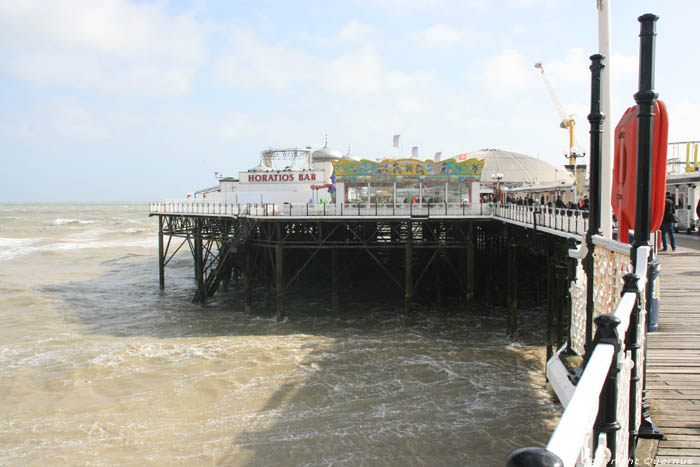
441	36
79	71
111	46
256	65
354	30
684	116
57	119
252	64
529	3
505	73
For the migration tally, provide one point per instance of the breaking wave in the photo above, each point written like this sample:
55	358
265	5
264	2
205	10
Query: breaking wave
70	221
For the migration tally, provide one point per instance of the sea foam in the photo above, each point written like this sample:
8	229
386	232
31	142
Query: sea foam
70	221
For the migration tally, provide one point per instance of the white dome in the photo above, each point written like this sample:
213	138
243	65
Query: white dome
350	157
326	154
519	168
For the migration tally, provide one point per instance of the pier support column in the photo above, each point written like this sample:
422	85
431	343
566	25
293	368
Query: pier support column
335	300
248	283
512	321
161	254
438	282
226	267
408	267
470	265
551	291
279	274
199	261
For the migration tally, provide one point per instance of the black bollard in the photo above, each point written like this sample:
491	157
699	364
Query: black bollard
595	118
533	457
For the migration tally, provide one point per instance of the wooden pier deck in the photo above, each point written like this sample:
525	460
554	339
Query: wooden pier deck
673	371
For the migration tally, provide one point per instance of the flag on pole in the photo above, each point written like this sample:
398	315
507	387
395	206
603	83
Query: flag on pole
414	151
438	155
396	141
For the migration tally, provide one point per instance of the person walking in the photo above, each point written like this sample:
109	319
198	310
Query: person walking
667	223
697	211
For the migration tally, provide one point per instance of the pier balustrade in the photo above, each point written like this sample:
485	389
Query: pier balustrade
603	416
566	221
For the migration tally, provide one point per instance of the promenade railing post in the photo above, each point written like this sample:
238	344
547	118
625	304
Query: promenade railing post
595	118
633	346
606	421
646	101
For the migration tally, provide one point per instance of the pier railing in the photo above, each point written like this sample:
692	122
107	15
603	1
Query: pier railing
603	415
323	209
571	221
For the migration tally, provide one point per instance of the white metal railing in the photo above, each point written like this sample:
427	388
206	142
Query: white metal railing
569	221
577	441
330	209
573	221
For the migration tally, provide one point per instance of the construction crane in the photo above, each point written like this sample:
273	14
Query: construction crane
567	121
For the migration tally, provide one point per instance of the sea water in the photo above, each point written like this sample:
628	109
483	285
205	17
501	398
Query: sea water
99	367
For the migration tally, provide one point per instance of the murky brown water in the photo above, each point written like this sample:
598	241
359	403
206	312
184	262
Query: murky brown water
97	367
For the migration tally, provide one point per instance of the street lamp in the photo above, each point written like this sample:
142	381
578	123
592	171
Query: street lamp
572	156
497	177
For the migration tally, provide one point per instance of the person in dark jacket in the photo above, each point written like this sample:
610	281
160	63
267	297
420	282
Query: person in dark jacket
667	223
697	211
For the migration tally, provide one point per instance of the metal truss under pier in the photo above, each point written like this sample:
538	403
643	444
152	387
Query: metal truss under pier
472	258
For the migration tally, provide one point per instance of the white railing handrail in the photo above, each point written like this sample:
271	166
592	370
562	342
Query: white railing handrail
576	423
548	219
578	418
612	245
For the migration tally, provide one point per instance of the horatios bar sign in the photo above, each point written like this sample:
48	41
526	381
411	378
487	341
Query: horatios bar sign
279	177
392	170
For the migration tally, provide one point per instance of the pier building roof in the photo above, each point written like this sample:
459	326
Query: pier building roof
519	168
326	154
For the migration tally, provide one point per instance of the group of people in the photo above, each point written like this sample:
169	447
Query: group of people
667	224
531	201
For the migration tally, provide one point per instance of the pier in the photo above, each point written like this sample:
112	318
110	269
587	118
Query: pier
473	251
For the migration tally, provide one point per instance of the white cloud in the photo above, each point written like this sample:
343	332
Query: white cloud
58	119
79	71
683	118
363	72
505	73
529	3
253	64
354	30
256	65
110	46
573	70
440	36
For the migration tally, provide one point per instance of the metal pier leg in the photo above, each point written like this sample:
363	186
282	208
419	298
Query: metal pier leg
334	279
161	254
225	268
471	263
279	279
551	300
199	262
248	283
512	289
408	267
438	283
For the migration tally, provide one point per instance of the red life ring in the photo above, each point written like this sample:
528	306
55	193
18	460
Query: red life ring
624	182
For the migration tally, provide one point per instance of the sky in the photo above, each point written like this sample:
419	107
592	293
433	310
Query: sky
138	100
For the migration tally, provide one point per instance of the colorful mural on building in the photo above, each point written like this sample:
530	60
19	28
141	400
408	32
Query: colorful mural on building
405	170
